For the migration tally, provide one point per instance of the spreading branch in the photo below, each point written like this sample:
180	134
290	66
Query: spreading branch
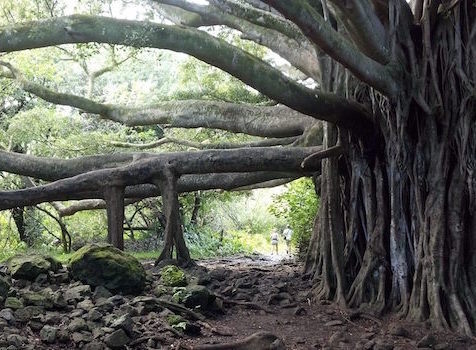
379	76
214	51
265	121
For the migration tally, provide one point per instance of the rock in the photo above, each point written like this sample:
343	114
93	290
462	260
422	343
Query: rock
124	322
77	293
299	311
337	338
334	323
48	334
4	287
13	303
26	314
104	306
95	345
104	265
94	315
77	324
16	340
51	318
42	278
37	299
63	336
173	276
83	337
85	305
35	325
427	341
29	266
382	344
198	296
442	346
117	339
101	293
399	331
7	315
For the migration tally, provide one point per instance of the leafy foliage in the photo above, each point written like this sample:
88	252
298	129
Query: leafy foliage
297	206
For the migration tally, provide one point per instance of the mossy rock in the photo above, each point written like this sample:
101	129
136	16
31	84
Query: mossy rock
28	267
173	276
198	296
104	265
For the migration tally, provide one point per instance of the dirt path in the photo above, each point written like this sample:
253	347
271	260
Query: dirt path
277	285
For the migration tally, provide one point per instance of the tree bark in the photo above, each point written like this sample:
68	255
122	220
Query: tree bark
114	197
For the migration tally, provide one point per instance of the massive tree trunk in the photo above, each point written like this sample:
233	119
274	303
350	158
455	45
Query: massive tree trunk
408	204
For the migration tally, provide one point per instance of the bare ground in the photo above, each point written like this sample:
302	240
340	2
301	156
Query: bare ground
277	286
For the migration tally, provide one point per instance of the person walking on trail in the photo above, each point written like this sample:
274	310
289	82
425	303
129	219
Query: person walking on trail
288	233
274	241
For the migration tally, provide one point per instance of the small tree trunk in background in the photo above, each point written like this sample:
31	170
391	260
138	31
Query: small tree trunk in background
17	214
196	208
173	228
114	197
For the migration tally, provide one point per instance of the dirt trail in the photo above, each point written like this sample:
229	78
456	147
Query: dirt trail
276	285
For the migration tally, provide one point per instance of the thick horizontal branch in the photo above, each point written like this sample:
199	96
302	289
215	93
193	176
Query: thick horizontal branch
264	28
202	145
149	169
313	25
265	121
214	51
186	183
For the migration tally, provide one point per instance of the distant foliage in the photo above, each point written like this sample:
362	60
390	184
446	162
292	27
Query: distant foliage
297	206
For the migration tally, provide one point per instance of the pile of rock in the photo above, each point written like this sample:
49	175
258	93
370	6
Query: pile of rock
103	299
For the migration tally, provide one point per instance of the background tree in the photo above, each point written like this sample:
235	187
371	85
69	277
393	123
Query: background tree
394	80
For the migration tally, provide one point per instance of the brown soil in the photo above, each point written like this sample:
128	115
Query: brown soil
299	321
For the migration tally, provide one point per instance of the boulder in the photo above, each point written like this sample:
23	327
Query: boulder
29	267
198	296
173	276
117	339
104	265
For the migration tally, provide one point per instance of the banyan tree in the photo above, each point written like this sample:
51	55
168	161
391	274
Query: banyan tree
394	95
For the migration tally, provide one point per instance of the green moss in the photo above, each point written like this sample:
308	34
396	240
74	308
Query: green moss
174	320
30	266
172	276
104	265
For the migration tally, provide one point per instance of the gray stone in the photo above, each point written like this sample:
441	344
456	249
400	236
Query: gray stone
13	303
83	337
16	340
29	266
399	331
101	292
85	305
77	293
334	323
63	336
117	339
94	315
48	334
125	322
25	314
95	345
7	315
198	296
77	324
427	341
37	299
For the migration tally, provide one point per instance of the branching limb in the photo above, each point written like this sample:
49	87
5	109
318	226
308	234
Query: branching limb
146	170
83	29
282	37
335	45
265	121
202	145
365	27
